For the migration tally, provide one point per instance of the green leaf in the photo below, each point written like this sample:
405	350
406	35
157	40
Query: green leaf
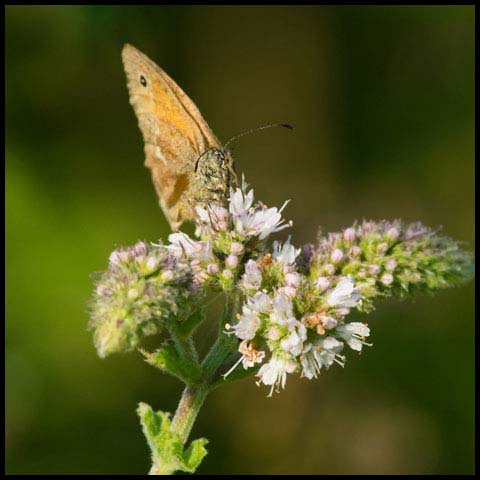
187	327
168	359
168	455
193	456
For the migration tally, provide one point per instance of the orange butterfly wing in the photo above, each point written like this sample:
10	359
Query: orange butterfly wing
174	132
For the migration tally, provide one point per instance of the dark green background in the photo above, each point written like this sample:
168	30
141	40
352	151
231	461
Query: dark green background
382	99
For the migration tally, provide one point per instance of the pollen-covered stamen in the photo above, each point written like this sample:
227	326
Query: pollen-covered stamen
250	356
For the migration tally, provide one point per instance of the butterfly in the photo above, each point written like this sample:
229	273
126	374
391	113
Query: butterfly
189	167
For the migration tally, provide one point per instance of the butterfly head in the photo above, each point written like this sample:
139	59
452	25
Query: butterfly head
215	168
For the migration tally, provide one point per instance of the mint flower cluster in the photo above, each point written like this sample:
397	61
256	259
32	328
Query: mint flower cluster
143	286
287	308
296	301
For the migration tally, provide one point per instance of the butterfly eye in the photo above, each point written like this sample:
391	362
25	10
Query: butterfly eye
143	80
219	157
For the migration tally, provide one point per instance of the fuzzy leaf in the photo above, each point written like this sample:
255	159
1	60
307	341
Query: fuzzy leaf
188	326
170	361
168	455
193	456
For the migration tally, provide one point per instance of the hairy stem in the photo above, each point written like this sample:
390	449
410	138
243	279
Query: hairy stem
185	346
193	396
187	410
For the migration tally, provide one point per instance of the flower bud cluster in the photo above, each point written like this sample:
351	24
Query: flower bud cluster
389	259
142	286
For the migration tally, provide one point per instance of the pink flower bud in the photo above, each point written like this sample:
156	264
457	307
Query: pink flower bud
329	269
195	265
349	234
355	251
132	293
212	268
290	292
227	274
393	233
387	279
328	322
292	279
140	248
391	264
274	333
114	258
373	269
336	256
167	276
231	261
362	273
236	248
382	248
152	263
322	283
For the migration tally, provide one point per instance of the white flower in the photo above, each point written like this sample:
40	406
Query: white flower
344	294
322	354
252	278
282	309
274	372
240	203
180	244
250	356
354	334
260	223
286	253
247	325
253	222
260	303
294	342
249	321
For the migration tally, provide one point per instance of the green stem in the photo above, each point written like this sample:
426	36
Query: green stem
187	410
194	396
185	346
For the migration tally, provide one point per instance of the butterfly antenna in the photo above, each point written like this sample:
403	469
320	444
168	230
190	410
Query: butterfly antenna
263	127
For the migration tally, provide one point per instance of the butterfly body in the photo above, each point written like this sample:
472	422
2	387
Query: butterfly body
187	163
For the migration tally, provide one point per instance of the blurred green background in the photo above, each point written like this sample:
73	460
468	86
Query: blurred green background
382	99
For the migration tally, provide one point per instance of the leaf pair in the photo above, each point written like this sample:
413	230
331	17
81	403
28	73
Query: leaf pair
168	453
168	359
